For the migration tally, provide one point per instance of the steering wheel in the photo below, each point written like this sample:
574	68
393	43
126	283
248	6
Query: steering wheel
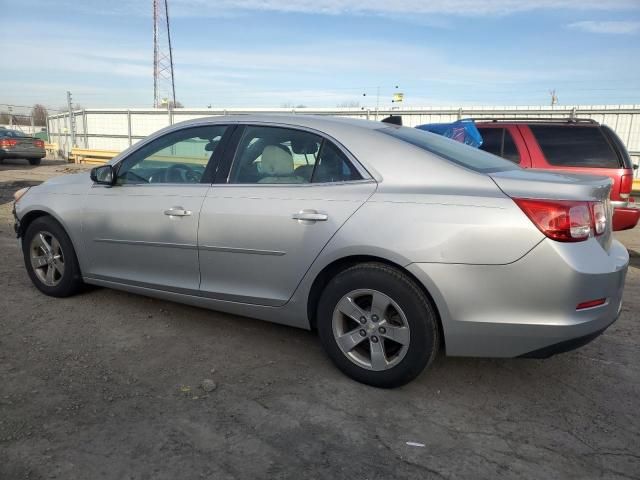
134	176
181	173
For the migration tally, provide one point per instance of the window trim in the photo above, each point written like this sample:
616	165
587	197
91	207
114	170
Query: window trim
232	151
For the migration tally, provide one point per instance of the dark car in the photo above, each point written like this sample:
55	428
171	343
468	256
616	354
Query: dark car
15	144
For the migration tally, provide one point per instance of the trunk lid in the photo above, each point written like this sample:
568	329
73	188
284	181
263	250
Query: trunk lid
555	186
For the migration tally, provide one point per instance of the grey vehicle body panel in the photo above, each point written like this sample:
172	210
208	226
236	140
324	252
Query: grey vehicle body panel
500	286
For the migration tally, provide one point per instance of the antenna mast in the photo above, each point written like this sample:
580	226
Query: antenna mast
164	89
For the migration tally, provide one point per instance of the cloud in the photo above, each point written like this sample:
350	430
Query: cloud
393	9
615	27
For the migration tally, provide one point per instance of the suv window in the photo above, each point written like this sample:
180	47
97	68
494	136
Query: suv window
499	141
456	152
276	155
576	146
177	157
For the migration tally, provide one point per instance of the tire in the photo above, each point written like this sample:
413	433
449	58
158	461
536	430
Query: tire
35	161
66	278
408	317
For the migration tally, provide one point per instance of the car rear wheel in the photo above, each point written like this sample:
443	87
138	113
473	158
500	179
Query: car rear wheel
35	161
377	325
50	258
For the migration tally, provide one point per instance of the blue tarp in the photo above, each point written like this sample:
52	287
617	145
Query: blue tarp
463	131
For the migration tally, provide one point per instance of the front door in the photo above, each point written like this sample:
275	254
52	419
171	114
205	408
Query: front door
288	192
143	231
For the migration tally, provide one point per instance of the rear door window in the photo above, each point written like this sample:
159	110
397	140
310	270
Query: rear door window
499	141
576	146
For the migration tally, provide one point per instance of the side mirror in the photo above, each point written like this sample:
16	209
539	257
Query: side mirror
103	175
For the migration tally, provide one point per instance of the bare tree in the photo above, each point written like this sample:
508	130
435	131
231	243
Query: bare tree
65	108
349	104
39	114
291	105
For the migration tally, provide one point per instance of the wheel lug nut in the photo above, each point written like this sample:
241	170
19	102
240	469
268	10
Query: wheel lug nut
363	320
382	330
374	339
374	317
363	333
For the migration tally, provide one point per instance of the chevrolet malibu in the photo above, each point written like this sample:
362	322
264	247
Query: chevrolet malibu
391	242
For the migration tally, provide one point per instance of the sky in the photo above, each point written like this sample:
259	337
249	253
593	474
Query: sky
323	53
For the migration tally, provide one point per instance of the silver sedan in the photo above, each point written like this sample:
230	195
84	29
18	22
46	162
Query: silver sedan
391	242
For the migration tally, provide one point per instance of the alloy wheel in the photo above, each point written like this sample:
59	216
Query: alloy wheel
47	258
371	329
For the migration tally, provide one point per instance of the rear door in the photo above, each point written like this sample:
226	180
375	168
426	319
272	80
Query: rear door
287	192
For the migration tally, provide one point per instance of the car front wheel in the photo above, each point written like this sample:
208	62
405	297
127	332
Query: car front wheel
50	258
377	325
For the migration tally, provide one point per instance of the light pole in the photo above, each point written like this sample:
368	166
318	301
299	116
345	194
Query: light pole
378	98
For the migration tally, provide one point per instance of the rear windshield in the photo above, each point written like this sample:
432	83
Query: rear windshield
576	146
12	133
451	150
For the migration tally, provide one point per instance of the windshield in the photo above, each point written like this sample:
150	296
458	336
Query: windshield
456	152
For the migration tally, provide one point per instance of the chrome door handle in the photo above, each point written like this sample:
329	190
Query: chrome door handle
310	216
177	212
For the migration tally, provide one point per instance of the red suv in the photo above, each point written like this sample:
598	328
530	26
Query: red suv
571	146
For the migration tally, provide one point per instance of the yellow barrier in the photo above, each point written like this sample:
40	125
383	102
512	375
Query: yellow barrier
636	186
97	157
51	148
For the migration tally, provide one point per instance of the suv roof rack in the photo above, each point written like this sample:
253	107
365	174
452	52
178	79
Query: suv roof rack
537	120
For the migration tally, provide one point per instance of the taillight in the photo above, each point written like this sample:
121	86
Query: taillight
565	220
626	183
39	143
599	217
8	142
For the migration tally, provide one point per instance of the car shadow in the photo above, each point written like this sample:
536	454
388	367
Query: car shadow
634	258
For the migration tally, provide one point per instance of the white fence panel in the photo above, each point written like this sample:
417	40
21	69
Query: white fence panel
116	129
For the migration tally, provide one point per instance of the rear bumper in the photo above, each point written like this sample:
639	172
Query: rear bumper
625	218
566	345
527	307
22	153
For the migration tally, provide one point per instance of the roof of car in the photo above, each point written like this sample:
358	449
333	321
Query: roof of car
569	122
320	122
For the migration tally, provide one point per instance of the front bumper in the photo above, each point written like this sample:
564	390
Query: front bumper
517	309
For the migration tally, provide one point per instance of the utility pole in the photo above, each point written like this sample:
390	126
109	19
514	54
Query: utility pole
10	116
72	120
554	97
163	78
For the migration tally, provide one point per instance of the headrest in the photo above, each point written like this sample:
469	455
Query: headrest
276	161
304	146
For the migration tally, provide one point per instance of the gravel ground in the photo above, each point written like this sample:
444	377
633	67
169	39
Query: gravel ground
117	386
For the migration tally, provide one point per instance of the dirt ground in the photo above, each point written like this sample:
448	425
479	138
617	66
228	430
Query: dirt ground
108	385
